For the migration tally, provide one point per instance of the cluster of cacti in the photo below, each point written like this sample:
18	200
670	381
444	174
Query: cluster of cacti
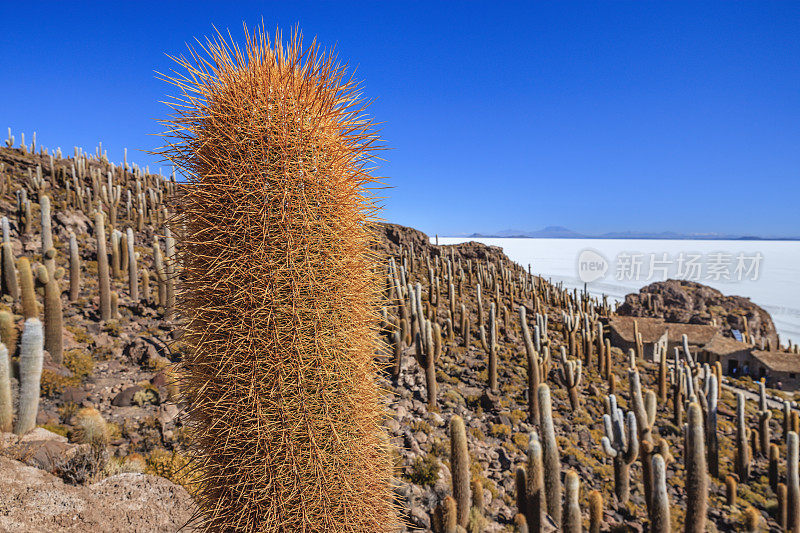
432	296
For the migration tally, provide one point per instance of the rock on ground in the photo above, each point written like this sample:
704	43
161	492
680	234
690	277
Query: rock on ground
35	501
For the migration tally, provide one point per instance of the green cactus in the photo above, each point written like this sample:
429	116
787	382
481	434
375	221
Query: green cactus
573	522
10	282
550	454
621	445
53	314
660	513
104	283
30	308
696	472
536	503
459	468
742	447
6	401
31	358
595	511
792	483
74	268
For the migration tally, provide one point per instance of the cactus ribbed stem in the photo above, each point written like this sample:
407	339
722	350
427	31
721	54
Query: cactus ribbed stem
6	406
74	268
793	483
104	284
459	468
573	522
696	473
660	514
31	358
550	454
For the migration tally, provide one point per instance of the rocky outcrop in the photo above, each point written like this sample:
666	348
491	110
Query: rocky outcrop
693	303
392	236
36	501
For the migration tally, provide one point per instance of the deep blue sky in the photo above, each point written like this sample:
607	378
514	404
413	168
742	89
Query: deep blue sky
598	116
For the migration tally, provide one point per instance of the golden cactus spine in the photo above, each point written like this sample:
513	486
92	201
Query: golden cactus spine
278	293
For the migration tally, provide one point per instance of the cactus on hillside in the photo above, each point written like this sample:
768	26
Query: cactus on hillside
660	513
550	455
621	445
742	446
573	522
6	403
278	292
104	284
459	468
74	268
792	483
696	473
53	314
31	358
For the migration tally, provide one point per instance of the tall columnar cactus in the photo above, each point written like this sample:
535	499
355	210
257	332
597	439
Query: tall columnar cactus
595	511
534	377
279	293
30	308
104	283
493	347
621	445
536	504
644	409
550	454
47	233
696	473
573	522
571	373
10	283
712	439
792	483
133	269
74	268
774	459
31	358
459	468
742	447
660	513
764	416
6	404
53	315
8	331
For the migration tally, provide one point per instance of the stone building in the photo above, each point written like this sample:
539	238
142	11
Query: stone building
652	330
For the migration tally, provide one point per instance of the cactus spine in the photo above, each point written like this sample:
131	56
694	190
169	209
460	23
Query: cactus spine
459	468
595	511
552	461
31	358
696	473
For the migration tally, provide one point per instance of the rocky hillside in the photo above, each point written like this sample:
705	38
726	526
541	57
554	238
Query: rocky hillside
689	302
469	377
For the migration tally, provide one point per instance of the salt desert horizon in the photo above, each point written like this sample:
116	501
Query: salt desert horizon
774	288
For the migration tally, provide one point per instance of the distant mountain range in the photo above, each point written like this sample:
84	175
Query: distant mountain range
560	232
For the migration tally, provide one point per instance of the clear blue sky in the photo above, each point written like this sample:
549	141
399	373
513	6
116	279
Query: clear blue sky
598	116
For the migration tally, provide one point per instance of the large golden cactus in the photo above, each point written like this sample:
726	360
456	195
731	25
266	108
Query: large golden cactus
278	294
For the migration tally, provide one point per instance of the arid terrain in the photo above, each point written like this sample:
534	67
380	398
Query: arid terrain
108	452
